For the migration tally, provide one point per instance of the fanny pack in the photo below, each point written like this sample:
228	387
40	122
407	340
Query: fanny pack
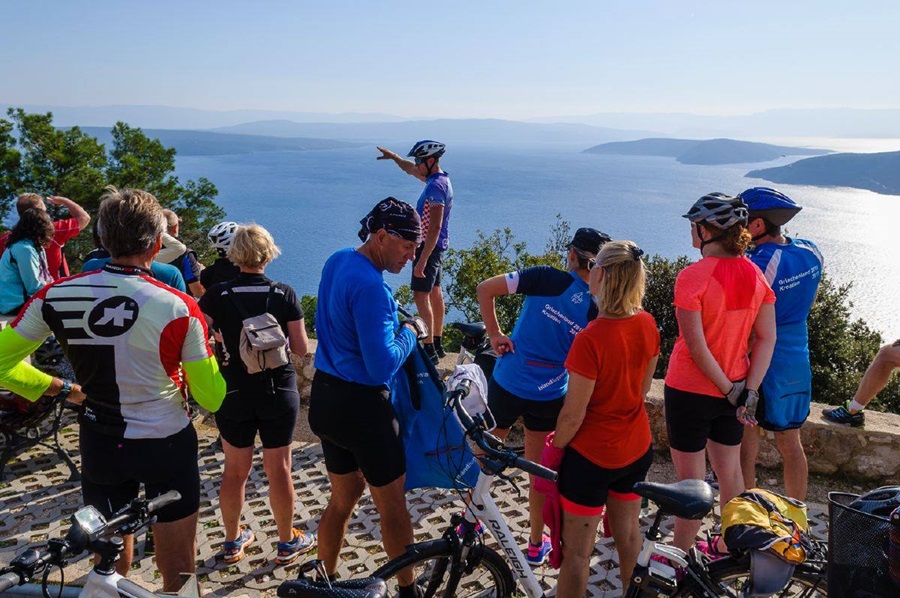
263	345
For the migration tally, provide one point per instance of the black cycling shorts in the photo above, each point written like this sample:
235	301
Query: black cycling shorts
433	269
585	486
358	428
113	469
539	416
272	414
692	419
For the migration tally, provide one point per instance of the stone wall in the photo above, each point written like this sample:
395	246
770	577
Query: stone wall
871	453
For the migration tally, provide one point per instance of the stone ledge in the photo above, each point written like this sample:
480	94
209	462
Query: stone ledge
871	453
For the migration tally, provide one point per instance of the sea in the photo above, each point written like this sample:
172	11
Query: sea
312	201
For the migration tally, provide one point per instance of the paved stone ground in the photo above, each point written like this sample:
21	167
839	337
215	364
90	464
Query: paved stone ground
36	500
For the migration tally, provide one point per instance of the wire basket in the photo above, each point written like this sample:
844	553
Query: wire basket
858	545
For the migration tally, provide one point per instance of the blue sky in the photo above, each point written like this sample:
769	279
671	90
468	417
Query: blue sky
453	59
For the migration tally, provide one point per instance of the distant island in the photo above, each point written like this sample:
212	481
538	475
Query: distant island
206	143
709	152
875	172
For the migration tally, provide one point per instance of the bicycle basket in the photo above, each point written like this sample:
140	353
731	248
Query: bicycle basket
857	550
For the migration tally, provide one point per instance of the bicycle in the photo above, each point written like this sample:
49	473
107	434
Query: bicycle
90	531
695	574
458	563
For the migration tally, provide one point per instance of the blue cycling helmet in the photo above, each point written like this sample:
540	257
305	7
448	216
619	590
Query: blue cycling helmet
770	205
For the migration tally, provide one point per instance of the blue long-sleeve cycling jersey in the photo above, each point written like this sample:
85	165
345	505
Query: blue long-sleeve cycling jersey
356	322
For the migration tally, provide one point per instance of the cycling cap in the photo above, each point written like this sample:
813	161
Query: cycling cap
589	240
770	204
397	217
222	234
720	210
427	148
880	502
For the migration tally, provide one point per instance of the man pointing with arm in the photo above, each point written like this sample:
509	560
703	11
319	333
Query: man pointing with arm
434	207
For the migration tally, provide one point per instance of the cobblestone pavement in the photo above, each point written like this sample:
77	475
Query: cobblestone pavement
36	500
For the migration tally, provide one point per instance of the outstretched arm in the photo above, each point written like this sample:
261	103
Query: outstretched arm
407	166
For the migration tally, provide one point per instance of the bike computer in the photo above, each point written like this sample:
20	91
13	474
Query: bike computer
90	521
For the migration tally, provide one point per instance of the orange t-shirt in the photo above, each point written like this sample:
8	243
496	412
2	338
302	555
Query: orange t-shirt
615	354
728	293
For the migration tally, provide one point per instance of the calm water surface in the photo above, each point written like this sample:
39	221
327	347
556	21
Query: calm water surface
312	202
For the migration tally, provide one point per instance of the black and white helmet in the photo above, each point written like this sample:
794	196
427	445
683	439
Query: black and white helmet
427	148
720	210
221	235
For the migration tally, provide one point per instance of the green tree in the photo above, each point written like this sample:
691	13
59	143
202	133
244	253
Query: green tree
36	156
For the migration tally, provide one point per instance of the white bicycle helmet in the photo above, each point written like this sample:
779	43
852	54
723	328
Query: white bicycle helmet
719	210
427	148
221	235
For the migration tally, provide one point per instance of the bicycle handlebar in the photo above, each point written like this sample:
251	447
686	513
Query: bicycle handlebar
10	580
27	565
475	429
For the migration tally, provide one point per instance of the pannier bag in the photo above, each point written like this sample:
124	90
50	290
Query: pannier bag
263	345
858	549
762	520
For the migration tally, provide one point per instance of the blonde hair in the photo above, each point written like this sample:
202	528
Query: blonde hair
622	288
129	221
252	247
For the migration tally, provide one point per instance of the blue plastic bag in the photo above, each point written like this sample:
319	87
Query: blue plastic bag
437	455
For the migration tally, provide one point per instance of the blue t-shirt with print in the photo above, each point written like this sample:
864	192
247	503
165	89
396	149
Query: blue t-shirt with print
437	191
558	305
793	271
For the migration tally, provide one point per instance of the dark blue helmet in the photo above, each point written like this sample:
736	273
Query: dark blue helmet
770	204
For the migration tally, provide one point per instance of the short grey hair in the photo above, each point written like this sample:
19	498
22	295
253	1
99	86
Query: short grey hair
129	221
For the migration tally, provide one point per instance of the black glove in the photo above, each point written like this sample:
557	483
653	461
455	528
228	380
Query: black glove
418	326
734	395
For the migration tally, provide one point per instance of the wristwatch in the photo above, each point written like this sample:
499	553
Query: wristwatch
66	387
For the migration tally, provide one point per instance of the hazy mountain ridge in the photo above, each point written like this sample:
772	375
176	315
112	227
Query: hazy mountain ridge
875	172
448	130
703	152
787	122
206	143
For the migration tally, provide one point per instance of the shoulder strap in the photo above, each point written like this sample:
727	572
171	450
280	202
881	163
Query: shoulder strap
237	304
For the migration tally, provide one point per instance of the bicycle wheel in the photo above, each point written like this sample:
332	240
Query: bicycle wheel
733	575
486	573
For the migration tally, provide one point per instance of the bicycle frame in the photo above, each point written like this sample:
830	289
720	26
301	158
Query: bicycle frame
482	506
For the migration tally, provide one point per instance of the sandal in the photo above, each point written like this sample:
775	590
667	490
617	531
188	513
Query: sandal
234	551
289	551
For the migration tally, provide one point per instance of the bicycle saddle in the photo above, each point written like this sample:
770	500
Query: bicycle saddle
369	587
688	499
474	329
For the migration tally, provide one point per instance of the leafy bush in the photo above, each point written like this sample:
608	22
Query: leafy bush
659	301
308	303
